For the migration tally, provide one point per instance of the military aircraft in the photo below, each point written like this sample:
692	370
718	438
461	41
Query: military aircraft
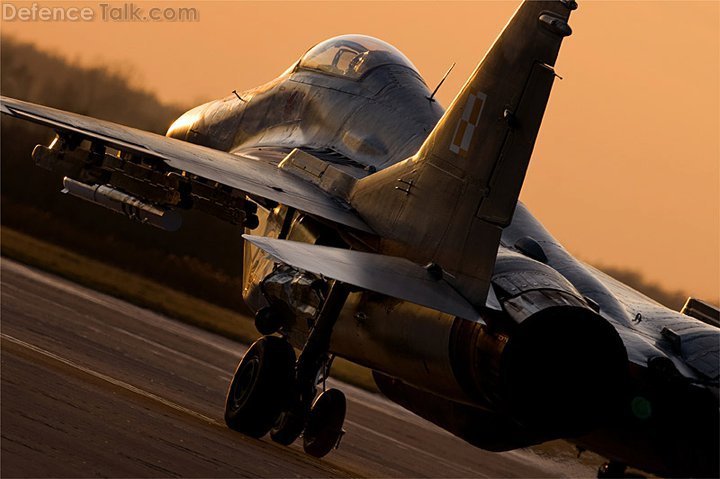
387	231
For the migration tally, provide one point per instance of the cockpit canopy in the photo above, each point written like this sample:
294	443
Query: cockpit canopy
352	56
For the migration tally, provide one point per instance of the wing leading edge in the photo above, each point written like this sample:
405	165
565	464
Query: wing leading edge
250	175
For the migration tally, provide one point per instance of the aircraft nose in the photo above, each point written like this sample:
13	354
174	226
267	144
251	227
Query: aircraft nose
564	371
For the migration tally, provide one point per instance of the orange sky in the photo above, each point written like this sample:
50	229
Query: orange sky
626	171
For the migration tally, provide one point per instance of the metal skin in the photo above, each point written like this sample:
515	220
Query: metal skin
374	123
446	369
558	349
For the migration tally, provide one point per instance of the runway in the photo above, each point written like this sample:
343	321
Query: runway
94	386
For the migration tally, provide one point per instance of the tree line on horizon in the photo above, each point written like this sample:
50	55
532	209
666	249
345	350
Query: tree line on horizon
203	258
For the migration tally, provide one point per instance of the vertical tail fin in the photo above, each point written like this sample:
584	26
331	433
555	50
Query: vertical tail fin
449	202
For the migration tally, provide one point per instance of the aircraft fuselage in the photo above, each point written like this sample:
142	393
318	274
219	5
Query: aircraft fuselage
461	375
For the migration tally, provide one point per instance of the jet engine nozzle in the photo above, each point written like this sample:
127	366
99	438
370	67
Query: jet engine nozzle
547	359
562	371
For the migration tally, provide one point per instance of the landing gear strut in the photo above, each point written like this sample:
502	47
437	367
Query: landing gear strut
271	392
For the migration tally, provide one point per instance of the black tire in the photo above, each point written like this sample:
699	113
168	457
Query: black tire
267	320
260	387
323	428
288	428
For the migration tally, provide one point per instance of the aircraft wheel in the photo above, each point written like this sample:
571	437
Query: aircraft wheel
260	387
323	429
288	428
267	320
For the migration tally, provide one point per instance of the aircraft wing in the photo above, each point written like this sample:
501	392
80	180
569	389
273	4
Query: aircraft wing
250	175
389	275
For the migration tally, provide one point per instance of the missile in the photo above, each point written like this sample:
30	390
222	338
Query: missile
124	204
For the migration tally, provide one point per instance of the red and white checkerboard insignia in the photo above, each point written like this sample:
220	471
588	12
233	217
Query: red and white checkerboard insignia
468	123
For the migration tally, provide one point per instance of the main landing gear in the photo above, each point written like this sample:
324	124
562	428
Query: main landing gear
272	392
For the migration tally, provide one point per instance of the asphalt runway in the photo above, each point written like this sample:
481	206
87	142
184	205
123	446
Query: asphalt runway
94	386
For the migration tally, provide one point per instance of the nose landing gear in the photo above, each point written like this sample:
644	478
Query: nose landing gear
271	392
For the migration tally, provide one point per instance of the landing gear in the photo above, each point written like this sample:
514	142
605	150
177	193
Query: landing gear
268	320
271	392
260	388
324	430
289	426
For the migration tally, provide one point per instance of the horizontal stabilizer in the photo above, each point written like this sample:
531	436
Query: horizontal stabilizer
389	275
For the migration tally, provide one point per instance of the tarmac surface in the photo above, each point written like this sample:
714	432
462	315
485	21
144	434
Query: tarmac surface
94	386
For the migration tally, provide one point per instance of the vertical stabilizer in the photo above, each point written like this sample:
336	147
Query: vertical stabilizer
449	202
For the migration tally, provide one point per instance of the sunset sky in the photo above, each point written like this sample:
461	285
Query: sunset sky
626	170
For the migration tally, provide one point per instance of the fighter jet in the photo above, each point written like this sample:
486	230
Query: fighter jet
385	230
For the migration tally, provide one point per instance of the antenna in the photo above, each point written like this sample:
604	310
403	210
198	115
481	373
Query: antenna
243	100
432	96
